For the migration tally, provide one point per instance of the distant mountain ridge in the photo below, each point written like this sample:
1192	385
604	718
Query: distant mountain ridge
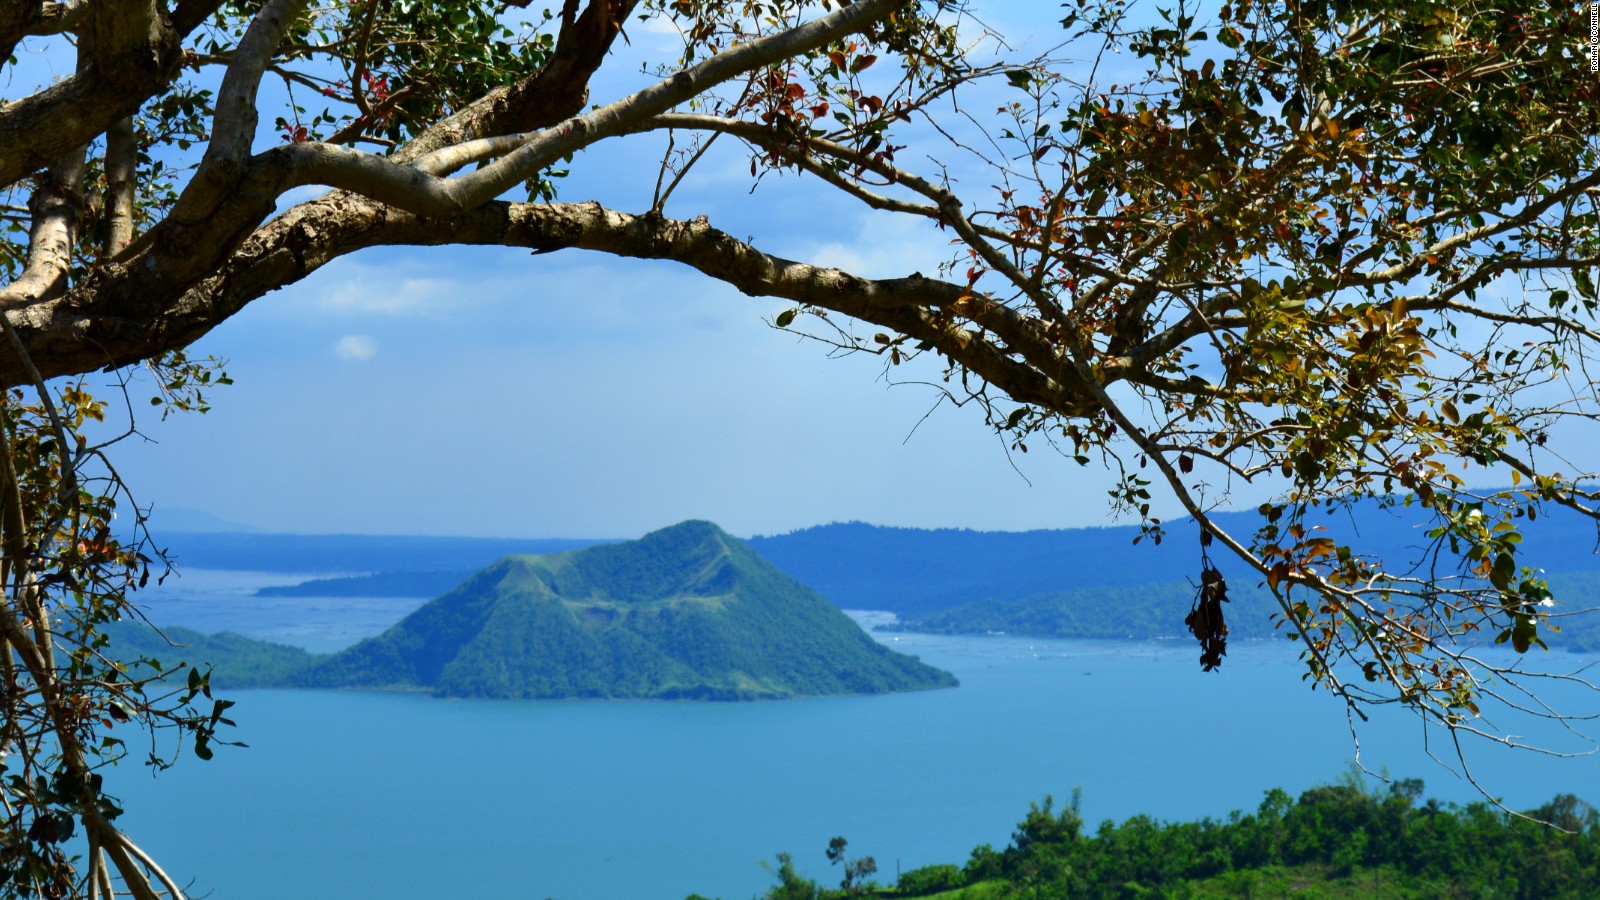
378	584
684	612
914	573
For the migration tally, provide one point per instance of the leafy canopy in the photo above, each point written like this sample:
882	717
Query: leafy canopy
1338	251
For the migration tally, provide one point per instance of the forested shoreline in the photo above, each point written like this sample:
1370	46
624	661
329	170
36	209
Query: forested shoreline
1344	840
1154	610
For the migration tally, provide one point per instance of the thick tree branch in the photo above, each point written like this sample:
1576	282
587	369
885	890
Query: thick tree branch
44	126
557	92
56	205
196	237
144	322
910	305
233	128
407	188
121	156
23	19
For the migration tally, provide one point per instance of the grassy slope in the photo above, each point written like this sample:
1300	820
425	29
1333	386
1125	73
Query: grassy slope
236	661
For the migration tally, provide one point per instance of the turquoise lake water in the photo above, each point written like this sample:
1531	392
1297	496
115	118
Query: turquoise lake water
347	794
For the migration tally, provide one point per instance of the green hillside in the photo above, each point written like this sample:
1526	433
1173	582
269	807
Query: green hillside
1157	610
685	612
235	660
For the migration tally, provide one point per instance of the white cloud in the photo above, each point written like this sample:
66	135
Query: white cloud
358	347
881	247
372	291
662	25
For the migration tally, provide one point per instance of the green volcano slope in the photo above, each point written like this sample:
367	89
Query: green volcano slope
684	612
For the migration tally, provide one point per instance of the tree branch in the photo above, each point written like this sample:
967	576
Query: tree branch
407	188
557	92
20	20
233	127
46	125
56	204
121	152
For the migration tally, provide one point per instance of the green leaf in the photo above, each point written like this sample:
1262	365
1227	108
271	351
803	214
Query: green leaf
1584	282
1020	78
1523	634
1505	566
784	318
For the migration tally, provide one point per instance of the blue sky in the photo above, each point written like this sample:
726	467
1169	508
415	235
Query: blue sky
484	392
478	391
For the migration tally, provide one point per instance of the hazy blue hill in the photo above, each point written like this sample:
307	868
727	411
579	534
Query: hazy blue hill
236	661
1139	612
1577	611
379	584
915	572
912	571
179	518
687	611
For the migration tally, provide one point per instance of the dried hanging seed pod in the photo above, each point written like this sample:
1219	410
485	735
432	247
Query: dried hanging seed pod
1205	619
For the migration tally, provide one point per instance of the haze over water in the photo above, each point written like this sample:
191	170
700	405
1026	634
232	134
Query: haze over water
345	794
